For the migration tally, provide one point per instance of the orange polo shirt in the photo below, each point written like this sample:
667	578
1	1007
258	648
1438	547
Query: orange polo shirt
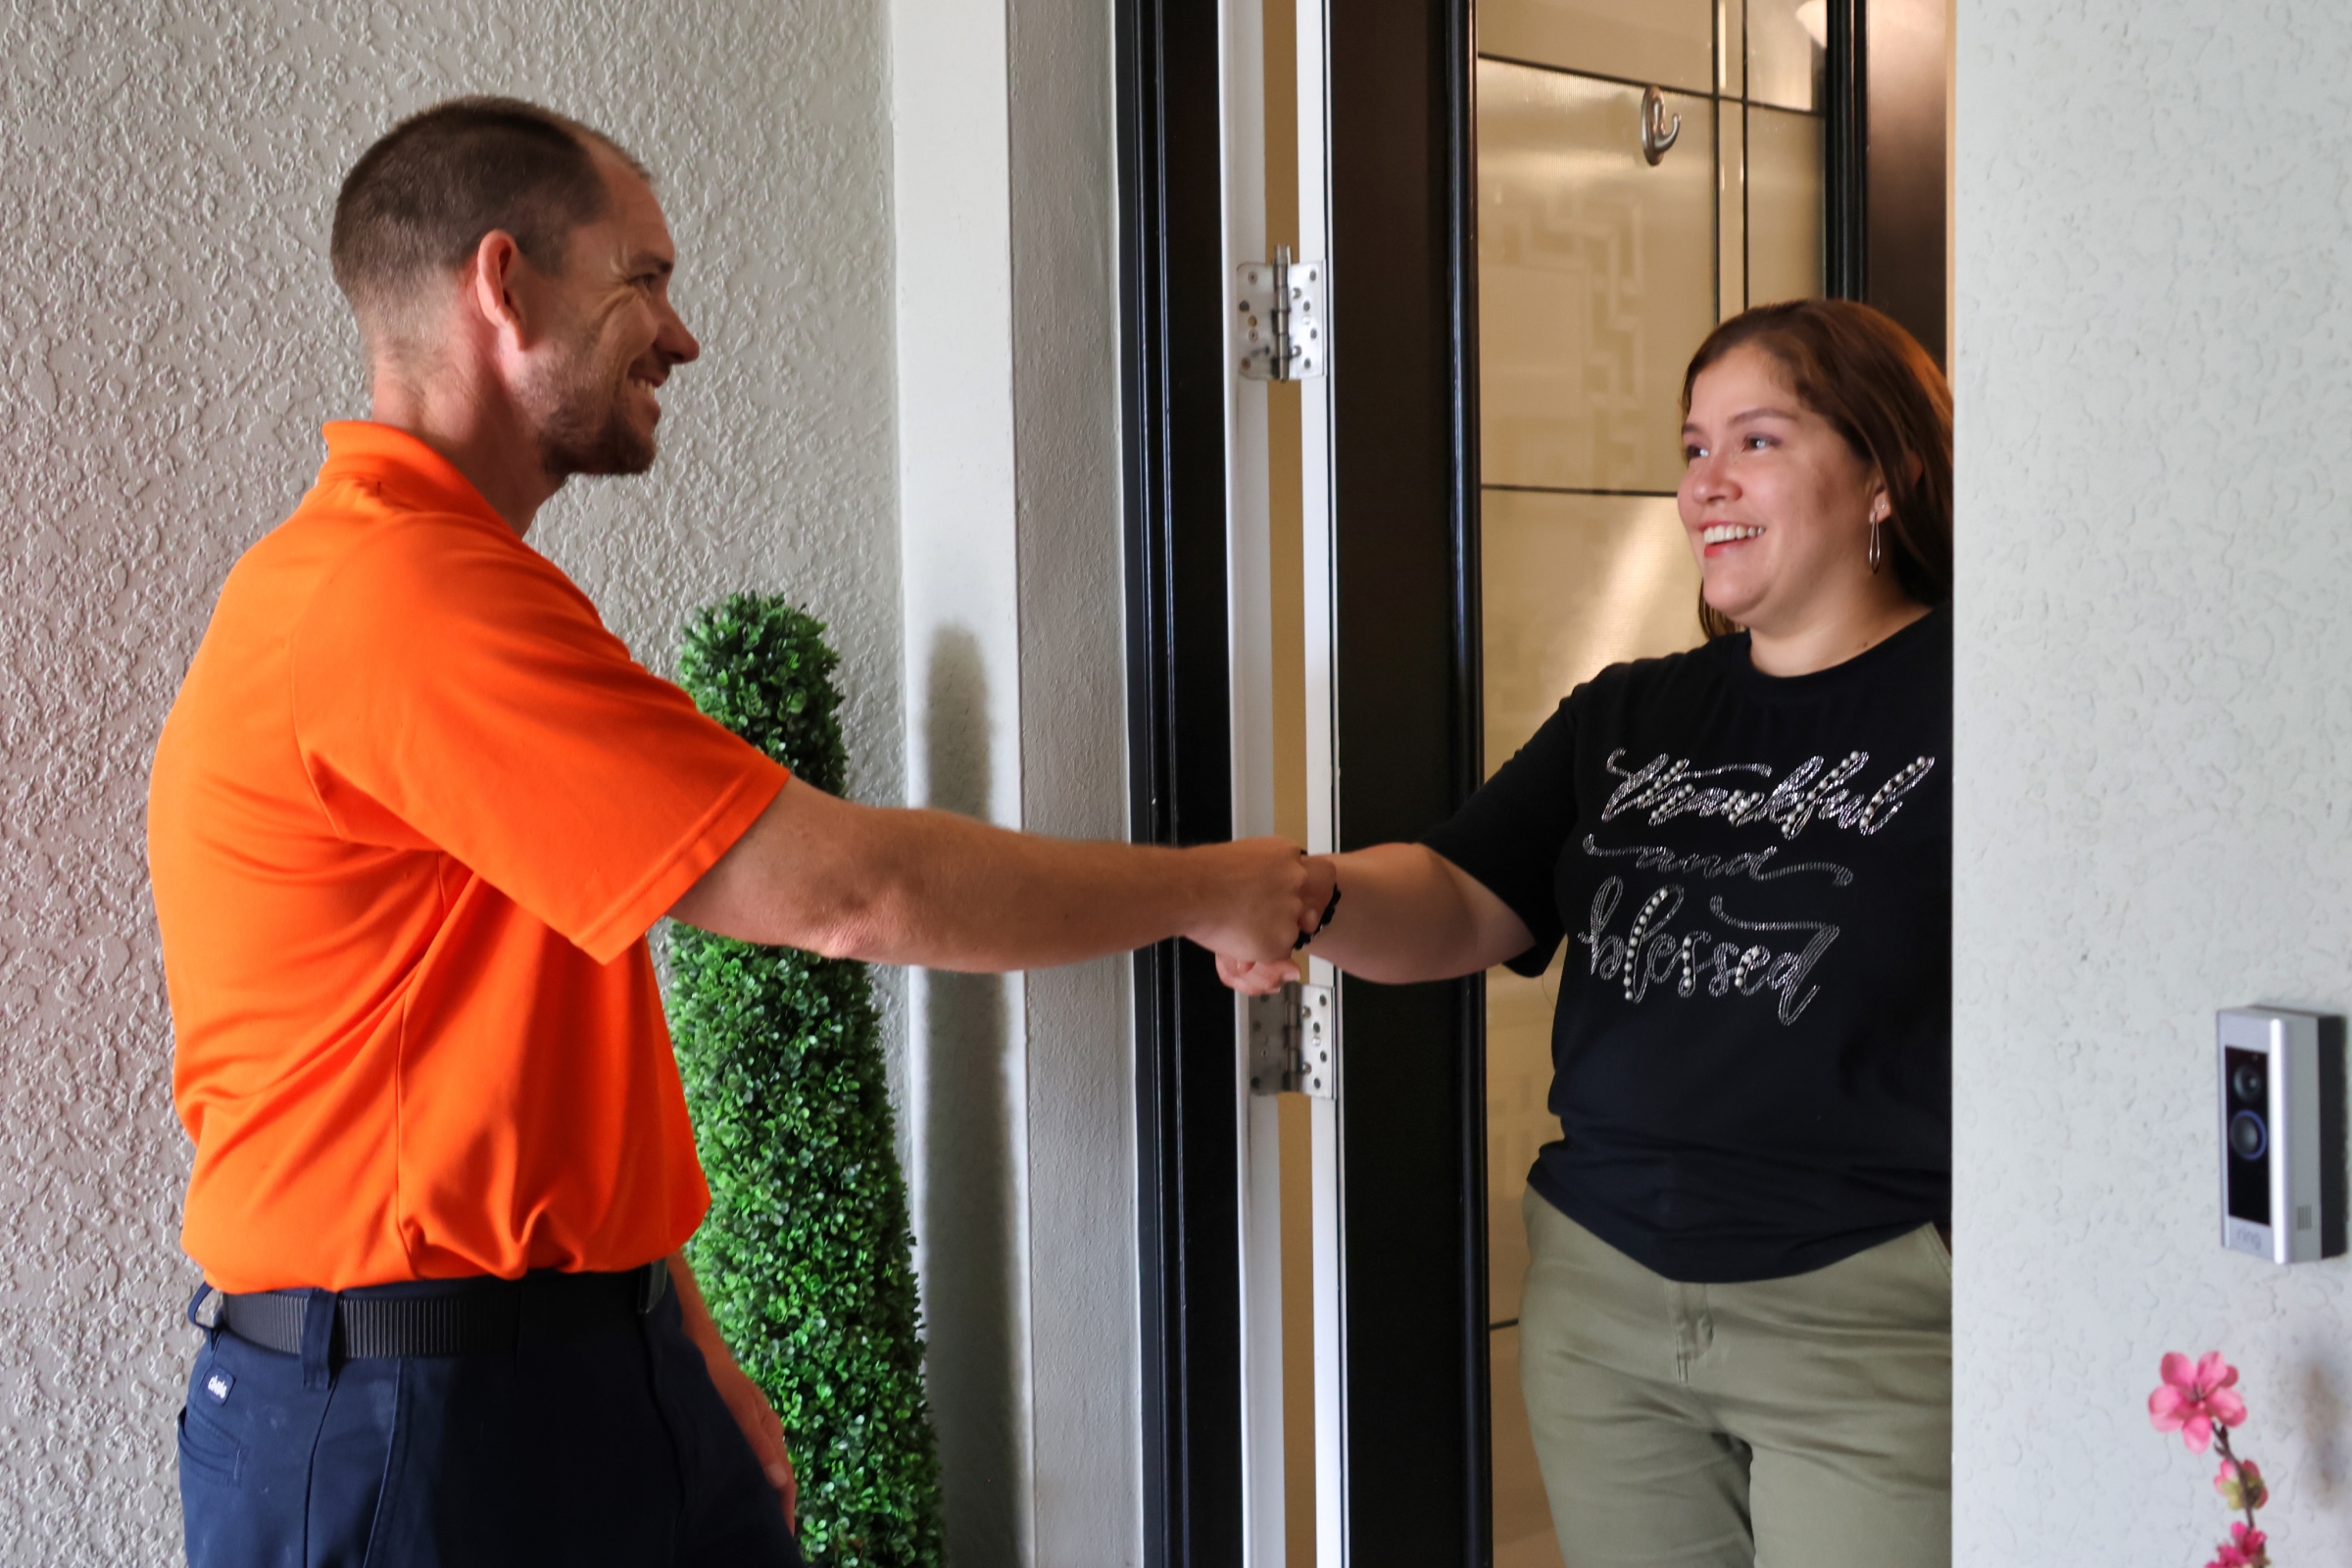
412	812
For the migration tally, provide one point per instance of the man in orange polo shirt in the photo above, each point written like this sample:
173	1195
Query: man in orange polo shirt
411	818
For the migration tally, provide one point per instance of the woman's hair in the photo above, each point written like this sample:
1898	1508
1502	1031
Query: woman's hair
1877	388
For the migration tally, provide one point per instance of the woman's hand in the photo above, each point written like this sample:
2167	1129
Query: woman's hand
1253	979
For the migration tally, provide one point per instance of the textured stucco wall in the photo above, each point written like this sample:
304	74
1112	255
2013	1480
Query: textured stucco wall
169	342
2154	743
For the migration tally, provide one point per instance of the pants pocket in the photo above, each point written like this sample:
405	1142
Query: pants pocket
206	1452
1937	1245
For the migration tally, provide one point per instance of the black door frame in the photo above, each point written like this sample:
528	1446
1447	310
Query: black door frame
1405	483
1404	449
1171	302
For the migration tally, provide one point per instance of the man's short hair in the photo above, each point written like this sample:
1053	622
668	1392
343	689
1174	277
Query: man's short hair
417	203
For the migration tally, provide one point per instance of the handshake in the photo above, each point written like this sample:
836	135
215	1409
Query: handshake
1412	915
910	886
1280	897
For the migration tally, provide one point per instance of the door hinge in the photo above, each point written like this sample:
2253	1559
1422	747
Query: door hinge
1289	1042
1278	318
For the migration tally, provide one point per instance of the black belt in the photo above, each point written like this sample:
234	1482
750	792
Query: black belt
466	1319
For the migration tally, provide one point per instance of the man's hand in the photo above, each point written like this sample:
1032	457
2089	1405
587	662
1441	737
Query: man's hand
757	1418
745	1402
1257	975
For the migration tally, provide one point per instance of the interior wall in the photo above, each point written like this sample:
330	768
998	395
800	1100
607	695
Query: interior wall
2152	746
172	340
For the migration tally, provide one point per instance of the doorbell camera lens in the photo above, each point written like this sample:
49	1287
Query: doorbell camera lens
2247	1083
2250	1139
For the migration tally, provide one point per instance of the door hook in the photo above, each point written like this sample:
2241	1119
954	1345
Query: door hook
1659	125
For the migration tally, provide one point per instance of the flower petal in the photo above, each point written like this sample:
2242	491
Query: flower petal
2167	1408
2214	1373
2197	1431
2178	1369
2226	1407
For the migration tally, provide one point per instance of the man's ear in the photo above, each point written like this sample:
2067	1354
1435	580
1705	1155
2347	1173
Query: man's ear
498	285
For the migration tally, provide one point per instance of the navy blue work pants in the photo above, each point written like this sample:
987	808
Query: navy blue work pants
610	1447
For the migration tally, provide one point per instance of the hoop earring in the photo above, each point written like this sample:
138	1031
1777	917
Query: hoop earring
1877	556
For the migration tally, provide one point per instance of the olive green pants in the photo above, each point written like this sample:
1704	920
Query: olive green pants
1791	1423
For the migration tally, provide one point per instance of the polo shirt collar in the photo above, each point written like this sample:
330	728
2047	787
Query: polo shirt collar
402	465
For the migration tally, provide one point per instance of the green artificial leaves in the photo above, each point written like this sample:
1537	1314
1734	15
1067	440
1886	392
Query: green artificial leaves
805	1256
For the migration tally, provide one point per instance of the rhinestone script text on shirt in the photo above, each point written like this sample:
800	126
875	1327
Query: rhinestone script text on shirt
1650	953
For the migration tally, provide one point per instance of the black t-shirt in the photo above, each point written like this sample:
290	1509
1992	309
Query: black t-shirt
1752	1052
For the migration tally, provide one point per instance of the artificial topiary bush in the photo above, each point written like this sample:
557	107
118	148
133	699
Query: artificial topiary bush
805	1257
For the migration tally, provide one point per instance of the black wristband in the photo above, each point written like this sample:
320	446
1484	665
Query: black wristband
1306	937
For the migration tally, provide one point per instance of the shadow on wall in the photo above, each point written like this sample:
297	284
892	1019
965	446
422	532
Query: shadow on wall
2323	1423
971	1236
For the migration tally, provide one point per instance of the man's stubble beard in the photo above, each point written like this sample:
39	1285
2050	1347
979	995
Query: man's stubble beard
583	420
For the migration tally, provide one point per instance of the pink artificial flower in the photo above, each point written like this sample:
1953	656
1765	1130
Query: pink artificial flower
2239	1482
2245	1549
2192	1397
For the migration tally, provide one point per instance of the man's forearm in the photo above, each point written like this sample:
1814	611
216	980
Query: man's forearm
696	1313
957	894
931	888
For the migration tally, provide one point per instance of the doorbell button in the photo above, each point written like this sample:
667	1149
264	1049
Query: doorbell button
2273	1111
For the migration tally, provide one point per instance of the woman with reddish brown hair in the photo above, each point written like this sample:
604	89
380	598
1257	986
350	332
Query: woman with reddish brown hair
1735	1336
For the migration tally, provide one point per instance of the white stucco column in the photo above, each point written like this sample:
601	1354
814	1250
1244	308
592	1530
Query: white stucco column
2152	727
1020	1092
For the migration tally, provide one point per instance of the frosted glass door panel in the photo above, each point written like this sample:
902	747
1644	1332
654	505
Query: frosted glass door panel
1597	280
1522	1535
1668	42
1788	43
1519	1121
1783	206
1598	274
1570	585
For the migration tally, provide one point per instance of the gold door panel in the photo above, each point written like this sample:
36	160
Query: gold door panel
1596	278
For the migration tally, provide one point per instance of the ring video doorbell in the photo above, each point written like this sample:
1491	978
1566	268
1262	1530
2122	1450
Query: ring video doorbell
2281	1093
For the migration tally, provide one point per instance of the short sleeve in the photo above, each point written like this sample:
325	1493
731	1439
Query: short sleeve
1509	835
452	689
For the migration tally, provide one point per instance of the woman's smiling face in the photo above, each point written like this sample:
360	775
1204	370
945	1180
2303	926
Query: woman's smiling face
1776	505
